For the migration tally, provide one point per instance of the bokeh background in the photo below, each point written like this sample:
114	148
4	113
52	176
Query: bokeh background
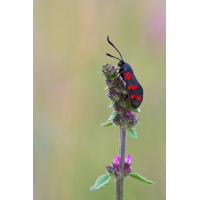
71	149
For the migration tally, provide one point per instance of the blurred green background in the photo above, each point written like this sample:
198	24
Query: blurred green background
71	149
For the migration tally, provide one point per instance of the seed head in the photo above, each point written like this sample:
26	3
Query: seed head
118	94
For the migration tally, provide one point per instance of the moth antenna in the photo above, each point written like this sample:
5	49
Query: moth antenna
114	47
112	56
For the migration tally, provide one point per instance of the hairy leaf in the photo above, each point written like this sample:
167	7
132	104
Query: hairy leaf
132	133
137	176
100	182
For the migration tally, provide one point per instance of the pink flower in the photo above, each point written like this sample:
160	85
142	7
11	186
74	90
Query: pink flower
128	160
114	169
116	160
129	113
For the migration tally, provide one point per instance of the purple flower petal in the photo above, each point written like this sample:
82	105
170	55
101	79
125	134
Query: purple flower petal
116	160
129	112
128	159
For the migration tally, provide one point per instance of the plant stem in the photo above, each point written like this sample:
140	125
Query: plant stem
122	149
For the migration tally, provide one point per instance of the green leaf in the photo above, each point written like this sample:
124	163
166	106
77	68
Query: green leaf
100	182
110	123
111	104
135	110
112	116
124	91
137	176
132	133
106	88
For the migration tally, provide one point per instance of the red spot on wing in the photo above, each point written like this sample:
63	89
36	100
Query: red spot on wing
138	98
128	75
125	76
134	87
129	87
133	96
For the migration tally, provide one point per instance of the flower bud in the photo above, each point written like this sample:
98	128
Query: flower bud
116	160
112	67
126	121
128	159
118	108
128	113
116	120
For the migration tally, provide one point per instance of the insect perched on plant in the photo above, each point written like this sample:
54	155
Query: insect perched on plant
134	89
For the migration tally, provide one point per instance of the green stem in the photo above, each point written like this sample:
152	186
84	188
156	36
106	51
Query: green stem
122	149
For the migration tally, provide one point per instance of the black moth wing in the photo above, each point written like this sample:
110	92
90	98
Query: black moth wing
131	80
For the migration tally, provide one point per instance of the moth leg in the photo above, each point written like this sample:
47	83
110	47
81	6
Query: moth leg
120	74
120	70
118	77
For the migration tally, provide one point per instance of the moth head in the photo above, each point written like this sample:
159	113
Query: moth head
121	63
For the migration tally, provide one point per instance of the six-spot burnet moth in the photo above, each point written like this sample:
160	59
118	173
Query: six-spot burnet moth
134	89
